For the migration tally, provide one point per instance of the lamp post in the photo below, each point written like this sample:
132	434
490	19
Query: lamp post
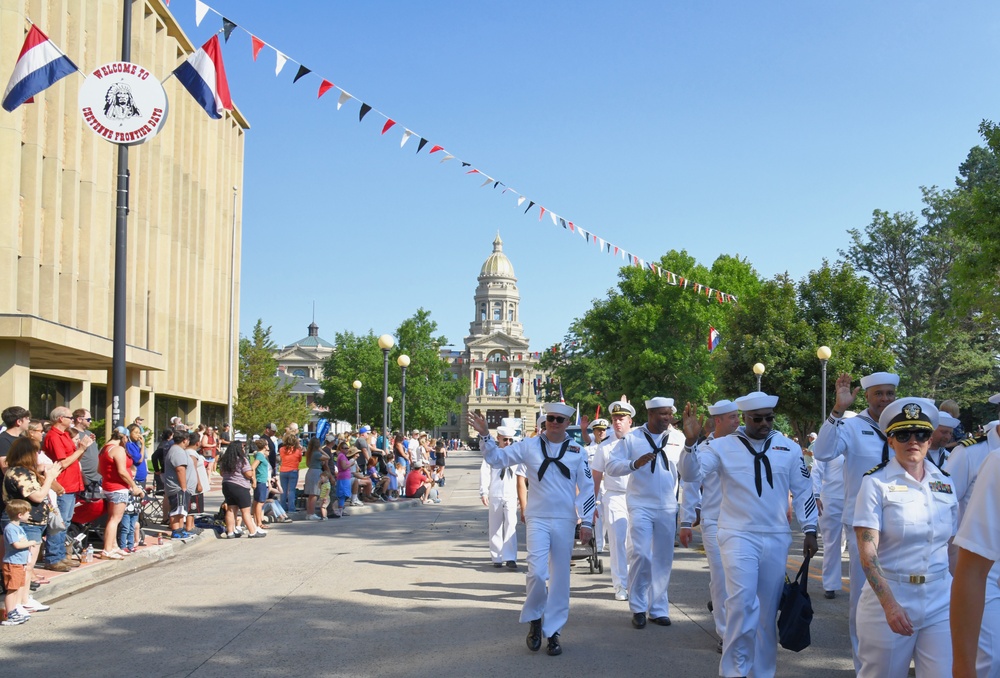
357	404
758	369
385	342
403	361
388	409
823	353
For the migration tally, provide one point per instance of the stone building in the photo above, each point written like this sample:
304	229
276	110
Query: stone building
301	364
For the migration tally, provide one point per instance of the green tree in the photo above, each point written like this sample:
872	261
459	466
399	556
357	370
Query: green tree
260	398
355	357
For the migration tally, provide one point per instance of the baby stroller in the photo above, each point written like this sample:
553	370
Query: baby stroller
587	551
87	527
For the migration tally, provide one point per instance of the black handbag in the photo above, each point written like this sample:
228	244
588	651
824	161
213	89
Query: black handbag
795	612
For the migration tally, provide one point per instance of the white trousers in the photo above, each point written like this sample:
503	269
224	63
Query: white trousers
988	657
503	529
885	654
599	527
755	565
858	581
550	548
832	530
717	576
615	510
651	559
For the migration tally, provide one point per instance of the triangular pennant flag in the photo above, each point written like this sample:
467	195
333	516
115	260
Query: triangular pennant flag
466	164
435	149
447	158
616	250
389	122
553	215
200	10
562	222
227	28
420	146
279	62
582	233
324	87
406	137
342	99
495	184
602	242
302	72
364	111
521	200
530	205
486	183
541	213
571	227
471	171
257	45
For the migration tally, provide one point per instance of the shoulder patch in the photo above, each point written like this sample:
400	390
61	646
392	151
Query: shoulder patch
877	468
969	442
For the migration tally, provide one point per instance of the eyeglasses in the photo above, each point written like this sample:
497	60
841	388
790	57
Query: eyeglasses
85	419
758	419
554	419
506	440
904	436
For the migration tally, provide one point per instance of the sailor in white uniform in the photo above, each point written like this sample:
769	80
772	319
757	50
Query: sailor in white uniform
861	442
905	514
758	467
498	492
726	419
560	496
943	435
828	488
591	443
645	456
612	500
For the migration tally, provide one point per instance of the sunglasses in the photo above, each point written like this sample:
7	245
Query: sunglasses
768	418
554	419
904	436
506	440
86	419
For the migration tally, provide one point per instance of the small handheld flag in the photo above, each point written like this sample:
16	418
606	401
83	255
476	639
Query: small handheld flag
39	66
204	75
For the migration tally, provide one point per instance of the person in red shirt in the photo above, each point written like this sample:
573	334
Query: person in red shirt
62	449
418	486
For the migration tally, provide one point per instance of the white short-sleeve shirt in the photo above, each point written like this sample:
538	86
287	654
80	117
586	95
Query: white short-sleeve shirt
980	532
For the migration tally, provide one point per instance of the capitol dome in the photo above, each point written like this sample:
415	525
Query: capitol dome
497	265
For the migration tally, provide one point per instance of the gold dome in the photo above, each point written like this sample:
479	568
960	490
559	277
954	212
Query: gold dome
497	264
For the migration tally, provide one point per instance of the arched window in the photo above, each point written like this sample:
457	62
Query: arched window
497	310
510	313
482	311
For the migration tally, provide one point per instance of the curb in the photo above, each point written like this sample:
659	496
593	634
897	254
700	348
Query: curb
377	507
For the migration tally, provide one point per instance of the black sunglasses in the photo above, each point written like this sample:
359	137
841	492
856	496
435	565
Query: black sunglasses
554	419
904	436
768	418
506	440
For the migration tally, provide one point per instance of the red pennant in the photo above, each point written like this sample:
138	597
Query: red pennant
541	213
570	225
388	124
324	87
258	45
437	148
473	171
616	250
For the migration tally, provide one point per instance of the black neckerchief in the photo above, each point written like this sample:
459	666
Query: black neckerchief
657	452
509	470
553	460
878	432
940	453
759	459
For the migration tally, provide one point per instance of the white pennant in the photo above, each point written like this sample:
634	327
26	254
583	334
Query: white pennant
553	215
200	10
486	183
583	233
279	62
447	158
601	241
406	137
342	99
520	201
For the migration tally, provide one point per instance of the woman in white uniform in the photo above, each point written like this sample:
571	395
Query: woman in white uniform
905	514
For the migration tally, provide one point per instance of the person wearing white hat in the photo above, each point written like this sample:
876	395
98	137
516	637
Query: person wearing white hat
758	467
725	420
863	445
562	494
590	443
938	453
828	489
498	492
647	455
905	514
610	492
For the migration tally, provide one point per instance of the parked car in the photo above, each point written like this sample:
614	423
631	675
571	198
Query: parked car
576	433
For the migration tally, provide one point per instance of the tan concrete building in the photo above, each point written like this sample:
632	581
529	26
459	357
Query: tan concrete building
57	224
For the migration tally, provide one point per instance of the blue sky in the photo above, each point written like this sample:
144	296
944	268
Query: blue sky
763	129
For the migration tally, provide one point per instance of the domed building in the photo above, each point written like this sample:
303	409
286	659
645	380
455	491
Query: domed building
497	363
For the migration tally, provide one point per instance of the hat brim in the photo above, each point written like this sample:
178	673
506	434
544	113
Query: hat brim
909	426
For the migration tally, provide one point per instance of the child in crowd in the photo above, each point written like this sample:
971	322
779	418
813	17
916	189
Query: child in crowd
345	478
128	527
324	493
394	480
15	563
400	475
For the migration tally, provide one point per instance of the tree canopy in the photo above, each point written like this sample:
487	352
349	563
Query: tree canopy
260	397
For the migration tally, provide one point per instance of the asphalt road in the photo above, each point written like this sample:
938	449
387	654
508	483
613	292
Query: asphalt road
396	593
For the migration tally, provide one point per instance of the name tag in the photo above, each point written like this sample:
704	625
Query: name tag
944	488
868	433
778	447
898	488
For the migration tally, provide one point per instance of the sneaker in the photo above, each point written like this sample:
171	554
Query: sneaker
21	610
313	517
34	606
57	567
238	532
15	618
621	593
259	534
436	501
356	502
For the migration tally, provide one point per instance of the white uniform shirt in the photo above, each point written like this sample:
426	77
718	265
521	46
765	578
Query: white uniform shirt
742	508
553	495
652	485
859	441
963	467
708	499
601	457
828	482
499	483
915	520
979	531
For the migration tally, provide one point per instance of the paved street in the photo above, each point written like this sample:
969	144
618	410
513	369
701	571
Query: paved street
395	593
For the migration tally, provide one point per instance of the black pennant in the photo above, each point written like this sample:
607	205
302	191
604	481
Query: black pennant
227	28
495	184
466	164
531	204
420	146
364	111
303	71
562	222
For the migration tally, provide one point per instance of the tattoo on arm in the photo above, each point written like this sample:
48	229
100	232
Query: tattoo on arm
872	566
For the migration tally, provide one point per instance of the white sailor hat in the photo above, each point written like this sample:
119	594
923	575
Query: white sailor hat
757	400
812	436
621	407
722	407
945	419
506	431
995	399
540	420
658	402
879	379
908	414
600	423
561	409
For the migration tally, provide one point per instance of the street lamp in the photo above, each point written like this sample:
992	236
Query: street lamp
758	369
403	361
357	404
385	342
823	353
388	407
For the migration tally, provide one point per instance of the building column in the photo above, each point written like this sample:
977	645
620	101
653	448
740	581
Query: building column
193	415
79	398
15	373
133	394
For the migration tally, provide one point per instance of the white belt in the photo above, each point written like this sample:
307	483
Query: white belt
916	578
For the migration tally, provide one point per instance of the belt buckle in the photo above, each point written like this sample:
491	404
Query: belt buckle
917	579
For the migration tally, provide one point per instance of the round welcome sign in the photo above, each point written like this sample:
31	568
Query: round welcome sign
123	103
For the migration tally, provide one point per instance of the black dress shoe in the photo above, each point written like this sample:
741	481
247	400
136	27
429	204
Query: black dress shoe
554	647
660	621
534	639
511	565
498	565
829	595
711	608
639	620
